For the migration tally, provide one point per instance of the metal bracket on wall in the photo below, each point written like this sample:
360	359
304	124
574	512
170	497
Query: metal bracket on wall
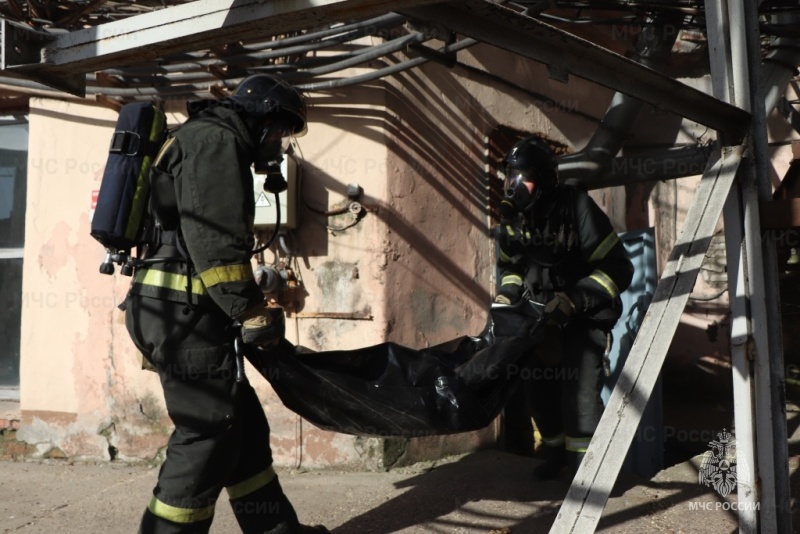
351	316
20	45
21	52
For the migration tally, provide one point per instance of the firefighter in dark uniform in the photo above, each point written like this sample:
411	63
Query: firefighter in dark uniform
186	307
557	246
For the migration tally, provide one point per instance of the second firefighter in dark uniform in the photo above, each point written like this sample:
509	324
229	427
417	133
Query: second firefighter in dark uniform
557	246
181	310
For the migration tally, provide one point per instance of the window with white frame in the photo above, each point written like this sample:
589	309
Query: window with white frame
13	182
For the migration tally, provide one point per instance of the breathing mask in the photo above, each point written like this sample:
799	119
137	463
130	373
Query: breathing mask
519	188
273	139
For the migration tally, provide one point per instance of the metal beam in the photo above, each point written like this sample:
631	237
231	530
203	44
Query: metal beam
721	50
528	37
65	58
588	494
763	284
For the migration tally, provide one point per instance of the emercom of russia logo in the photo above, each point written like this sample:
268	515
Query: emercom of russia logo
718	468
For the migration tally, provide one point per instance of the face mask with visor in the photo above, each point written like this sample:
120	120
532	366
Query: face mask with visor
273	139
516	188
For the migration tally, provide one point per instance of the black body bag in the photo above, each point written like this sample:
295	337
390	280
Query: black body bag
391	390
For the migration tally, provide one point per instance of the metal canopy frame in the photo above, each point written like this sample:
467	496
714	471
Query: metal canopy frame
65	59
565	53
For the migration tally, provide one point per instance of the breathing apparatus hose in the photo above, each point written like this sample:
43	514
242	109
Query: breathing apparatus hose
275	231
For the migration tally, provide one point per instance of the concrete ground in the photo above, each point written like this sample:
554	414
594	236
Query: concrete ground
485	492
488	492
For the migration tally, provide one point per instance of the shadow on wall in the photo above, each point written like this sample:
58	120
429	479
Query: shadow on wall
436	176
436	184
438	128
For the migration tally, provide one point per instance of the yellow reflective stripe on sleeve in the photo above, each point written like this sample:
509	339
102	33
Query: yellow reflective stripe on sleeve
179	515
604	280
504	257
604	247
227	273
577	444
174	281
510	230
251	484
512	279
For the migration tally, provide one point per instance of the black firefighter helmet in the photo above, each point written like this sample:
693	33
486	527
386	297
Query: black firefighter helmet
531	173
263	95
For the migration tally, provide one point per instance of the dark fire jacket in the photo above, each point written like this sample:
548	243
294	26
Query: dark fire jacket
568	246
202	190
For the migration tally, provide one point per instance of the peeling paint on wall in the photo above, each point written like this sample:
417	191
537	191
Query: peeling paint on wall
338	285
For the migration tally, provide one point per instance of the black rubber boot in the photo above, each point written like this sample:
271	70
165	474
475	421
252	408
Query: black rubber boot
574	460
268	511
265	510
516	426
554	461
285	528
152	524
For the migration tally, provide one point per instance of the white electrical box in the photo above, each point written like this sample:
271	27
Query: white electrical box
266	212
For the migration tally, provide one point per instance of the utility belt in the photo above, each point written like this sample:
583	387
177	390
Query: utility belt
157	238
167	272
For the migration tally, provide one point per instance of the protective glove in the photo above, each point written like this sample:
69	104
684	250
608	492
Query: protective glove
600	309
508	294
502	299
263	326
560	308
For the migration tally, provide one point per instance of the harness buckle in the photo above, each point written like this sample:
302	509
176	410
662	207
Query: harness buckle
126	143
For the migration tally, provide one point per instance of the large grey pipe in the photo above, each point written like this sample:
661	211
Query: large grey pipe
777	69
780	65
652	50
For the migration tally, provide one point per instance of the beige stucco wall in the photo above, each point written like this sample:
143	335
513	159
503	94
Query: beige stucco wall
79	384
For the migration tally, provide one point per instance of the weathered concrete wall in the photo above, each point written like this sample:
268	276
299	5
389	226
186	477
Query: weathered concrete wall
80	390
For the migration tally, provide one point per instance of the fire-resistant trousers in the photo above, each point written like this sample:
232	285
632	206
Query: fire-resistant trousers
221	435
561	391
